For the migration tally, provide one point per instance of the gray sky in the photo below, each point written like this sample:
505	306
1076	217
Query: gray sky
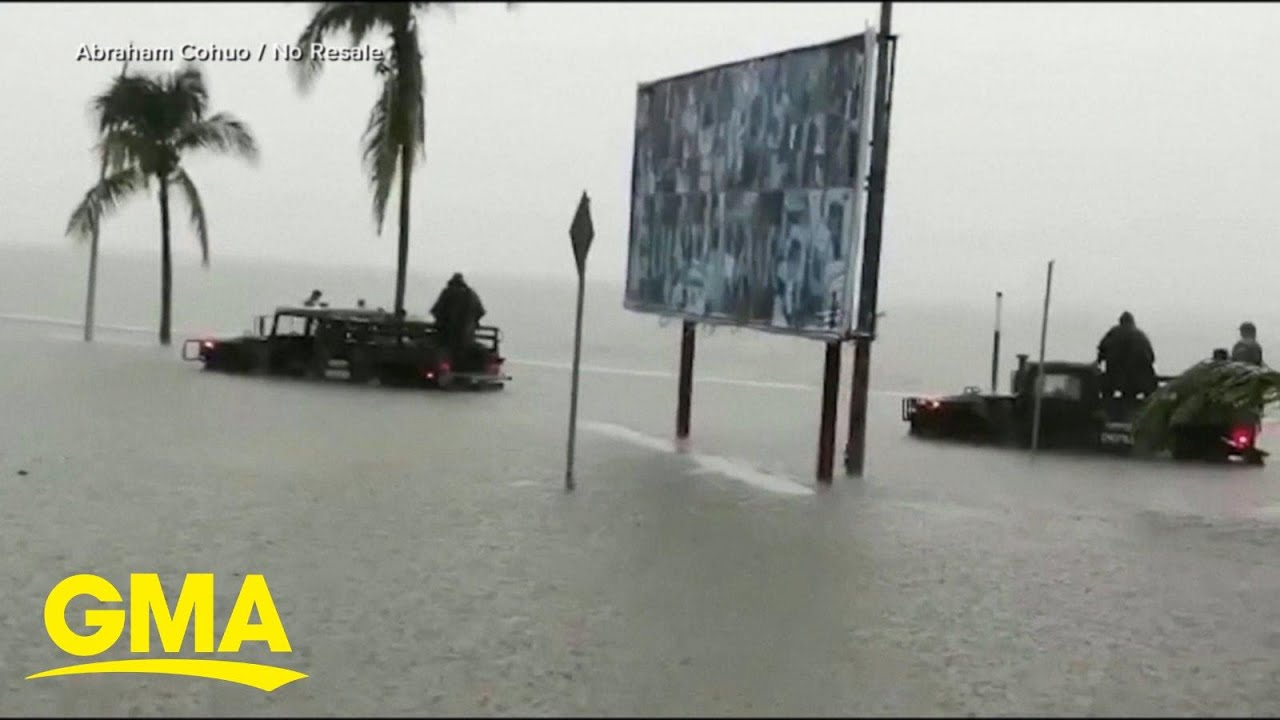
1137	144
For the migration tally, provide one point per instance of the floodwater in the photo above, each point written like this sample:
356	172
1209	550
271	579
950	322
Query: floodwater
425	559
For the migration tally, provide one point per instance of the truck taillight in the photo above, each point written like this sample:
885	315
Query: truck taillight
1241	438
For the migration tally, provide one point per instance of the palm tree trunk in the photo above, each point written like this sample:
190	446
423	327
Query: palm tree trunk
402	261
93	250
93	287
166	264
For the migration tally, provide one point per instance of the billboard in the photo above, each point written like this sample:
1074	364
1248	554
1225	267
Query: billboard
747	191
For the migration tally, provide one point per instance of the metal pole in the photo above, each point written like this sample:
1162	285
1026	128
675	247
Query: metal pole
855	449
995	347
573	394
827	427
684	400
1044	331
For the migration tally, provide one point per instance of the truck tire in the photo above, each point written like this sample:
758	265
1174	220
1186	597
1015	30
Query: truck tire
390	375
359	367
1023	433
317	365
259	360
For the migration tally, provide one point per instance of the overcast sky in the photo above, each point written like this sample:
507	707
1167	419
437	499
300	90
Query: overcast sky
1137	144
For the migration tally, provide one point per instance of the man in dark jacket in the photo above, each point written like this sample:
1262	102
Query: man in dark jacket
457	312
1247	349
1130	360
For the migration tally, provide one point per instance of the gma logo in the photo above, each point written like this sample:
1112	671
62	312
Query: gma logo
147	603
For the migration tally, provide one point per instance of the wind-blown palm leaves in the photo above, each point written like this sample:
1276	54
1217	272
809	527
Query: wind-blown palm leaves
1208	392
91	293
395	134
147	124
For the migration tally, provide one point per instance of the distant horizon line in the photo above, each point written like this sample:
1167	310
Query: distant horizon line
618	281
184	257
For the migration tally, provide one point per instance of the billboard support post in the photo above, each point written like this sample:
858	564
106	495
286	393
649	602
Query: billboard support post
830	399
684	399
855	449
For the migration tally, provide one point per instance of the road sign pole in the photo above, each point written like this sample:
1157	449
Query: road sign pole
573	393
581	232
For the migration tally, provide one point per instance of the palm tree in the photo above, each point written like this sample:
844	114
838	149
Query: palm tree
91	294
396	130
147	124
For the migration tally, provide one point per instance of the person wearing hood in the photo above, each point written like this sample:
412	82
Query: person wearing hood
457	312
1130	360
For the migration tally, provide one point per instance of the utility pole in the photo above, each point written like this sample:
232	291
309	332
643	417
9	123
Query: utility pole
855	450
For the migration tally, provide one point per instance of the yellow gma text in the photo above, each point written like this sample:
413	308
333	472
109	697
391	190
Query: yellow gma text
146	604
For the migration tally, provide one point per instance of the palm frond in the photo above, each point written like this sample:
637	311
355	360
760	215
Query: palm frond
220	132
102	199
125	101
1207	392
125	146
198	221
413	89
381	149
356	18
187	95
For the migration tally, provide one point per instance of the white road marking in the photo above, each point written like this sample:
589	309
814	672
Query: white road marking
105	340
728	467
741	382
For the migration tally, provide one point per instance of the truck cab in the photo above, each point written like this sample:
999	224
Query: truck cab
1073	411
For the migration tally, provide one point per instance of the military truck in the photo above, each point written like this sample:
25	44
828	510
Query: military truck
1076	412
360	345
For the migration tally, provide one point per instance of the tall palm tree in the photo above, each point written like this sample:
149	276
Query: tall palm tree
147	124
91	295
394	136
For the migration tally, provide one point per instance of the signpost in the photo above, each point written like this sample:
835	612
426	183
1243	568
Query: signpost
581	234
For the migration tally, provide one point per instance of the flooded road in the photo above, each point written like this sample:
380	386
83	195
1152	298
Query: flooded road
425	560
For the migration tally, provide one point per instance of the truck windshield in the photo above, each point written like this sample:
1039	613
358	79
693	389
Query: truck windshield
1067	387
291	325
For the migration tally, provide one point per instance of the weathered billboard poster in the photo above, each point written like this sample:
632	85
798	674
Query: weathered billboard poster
747	191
